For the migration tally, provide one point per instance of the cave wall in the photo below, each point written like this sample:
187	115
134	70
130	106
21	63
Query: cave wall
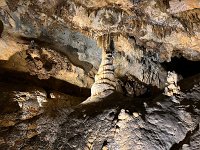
50	54
143	39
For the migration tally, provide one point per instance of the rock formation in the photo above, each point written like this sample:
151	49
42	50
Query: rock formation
105	83
107	74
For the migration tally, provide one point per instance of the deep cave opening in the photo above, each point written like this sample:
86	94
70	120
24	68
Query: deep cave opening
183	66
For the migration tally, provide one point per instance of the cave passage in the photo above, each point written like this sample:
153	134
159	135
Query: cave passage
182	66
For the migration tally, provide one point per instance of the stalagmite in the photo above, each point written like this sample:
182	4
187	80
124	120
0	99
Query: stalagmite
105	79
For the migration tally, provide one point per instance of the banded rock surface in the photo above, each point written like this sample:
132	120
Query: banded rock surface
105	81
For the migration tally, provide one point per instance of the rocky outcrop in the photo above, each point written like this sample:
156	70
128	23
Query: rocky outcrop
65	85
142	40
115	122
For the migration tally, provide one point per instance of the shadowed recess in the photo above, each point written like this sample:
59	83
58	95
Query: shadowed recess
1	28
8	76
182	66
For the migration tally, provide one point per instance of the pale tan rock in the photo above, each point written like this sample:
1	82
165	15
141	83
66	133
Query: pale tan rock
171	85
135	114
105	81
2	3
123	115
177	6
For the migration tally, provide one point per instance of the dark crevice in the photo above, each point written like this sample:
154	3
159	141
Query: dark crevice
16	78
186	140
48	66
146	91
116	115
105	143
188	83
182	66
1	28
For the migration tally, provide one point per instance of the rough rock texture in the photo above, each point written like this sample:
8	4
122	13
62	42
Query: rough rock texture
50	58
143	39
105	81
117	122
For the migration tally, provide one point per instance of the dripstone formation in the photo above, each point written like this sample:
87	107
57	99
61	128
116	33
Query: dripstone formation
100	74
